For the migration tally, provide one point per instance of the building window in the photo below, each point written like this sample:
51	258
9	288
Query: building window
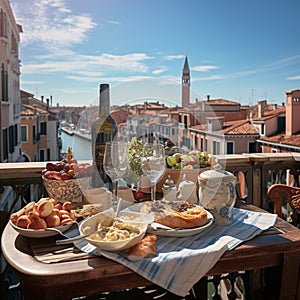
11	139
4	83
24	133
262	129
216	147
48	154
202	143
229	147
5	144
185	121
3	24
43	128
34	133
252	147
42	155
196	142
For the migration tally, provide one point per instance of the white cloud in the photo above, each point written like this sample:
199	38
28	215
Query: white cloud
297	77
50	22
214	77
117	79
171	57
160	70
113	22
81	64
203	68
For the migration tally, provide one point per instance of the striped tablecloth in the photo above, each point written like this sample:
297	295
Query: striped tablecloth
181	262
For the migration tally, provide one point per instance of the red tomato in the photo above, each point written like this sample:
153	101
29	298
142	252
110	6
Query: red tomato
138	195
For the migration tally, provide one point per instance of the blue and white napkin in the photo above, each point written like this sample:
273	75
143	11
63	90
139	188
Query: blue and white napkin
182	262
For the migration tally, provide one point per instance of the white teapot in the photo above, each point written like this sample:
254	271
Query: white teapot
187	191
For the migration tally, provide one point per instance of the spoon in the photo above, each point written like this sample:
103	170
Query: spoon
73	239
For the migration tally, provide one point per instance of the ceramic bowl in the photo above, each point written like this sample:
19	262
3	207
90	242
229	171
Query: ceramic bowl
41	233
90	225
66	190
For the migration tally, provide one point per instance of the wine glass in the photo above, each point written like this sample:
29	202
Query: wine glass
115	163
109	168
153	164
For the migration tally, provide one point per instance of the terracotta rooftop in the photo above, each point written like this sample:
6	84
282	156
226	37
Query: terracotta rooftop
244	127
271	113
28	110
283	139
221	102
241	127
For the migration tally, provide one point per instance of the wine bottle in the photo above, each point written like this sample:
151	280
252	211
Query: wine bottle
104	129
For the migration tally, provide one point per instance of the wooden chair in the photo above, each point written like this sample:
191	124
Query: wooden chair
281	194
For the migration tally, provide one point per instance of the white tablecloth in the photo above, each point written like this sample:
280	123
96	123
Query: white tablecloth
181	262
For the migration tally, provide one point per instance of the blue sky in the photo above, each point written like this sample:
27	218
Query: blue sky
238	50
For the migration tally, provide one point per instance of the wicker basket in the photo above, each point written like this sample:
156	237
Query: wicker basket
67	190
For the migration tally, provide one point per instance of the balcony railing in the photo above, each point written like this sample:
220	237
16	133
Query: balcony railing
21	182
255	174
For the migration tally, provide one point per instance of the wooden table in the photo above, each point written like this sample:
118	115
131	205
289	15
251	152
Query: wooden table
77	274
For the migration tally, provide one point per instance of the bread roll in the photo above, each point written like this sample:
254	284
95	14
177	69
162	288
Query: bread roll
36	222
146	248
45	208
65	221
53	220
30	207
67	205
58	206
23	221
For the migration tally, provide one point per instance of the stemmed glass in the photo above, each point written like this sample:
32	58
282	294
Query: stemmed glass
153	164
115	163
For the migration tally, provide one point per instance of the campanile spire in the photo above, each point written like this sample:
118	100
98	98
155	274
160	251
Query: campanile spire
185	84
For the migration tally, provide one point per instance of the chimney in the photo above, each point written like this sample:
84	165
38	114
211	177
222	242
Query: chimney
207	97
292	111
42	98
51	100
261	108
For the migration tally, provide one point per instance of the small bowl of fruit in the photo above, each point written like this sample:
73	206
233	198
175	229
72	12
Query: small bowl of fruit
189	164
65	181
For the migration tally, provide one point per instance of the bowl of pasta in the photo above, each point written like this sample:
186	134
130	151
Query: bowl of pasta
106	232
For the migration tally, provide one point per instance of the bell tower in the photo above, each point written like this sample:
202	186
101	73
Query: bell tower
185	84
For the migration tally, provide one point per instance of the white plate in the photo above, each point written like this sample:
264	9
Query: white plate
167	231
135	217
40	233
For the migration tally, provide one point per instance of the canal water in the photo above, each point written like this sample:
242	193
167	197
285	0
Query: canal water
81	147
